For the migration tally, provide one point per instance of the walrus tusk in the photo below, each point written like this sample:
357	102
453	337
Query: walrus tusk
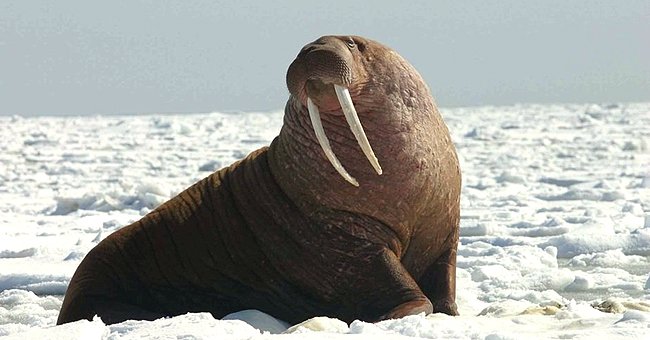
314	115
351	116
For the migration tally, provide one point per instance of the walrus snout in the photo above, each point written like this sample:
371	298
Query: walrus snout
326	61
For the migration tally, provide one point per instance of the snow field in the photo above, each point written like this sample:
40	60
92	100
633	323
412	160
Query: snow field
555	229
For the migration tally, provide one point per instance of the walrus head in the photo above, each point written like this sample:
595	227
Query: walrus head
321	76
336	84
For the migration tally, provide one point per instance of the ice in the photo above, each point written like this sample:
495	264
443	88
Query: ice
555	225
609	258
8	254
635	317
320	324
260	320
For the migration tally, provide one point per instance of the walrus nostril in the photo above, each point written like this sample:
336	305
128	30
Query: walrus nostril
316	45
306	50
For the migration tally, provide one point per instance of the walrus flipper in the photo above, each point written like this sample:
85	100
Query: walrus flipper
398	293
112	312
95	290
438	279
439	283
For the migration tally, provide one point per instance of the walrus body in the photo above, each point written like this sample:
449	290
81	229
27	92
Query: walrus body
281	232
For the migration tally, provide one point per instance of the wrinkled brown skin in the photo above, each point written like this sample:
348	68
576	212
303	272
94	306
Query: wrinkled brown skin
282	232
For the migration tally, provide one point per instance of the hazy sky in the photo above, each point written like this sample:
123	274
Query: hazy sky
89	57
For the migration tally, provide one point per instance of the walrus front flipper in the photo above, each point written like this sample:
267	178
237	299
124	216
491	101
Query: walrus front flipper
439	283
395	293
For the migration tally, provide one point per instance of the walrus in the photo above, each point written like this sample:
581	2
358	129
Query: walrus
372	237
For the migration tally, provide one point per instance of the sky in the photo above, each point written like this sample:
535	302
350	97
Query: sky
105	57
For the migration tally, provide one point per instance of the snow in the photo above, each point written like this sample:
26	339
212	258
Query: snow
555	228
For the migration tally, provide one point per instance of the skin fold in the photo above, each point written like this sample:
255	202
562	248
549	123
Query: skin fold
282	232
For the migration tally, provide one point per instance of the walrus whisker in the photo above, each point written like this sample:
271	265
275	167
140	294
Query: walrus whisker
314	116
351	116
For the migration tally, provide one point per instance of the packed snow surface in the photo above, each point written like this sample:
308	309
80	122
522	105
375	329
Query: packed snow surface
555	229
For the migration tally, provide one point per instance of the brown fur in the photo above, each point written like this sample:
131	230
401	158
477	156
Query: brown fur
280	231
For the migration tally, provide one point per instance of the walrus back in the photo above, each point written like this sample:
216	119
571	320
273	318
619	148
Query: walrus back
225	244
174	259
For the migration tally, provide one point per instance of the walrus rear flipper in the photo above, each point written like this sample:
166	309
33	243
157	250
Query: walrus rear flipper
115	312
110	312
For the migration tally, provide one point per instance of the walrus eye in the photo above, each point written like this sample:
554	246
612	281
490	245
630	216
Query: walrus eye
351	43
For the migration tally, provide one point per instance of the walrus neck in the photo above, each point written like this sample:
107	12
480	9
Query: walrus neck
404	151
